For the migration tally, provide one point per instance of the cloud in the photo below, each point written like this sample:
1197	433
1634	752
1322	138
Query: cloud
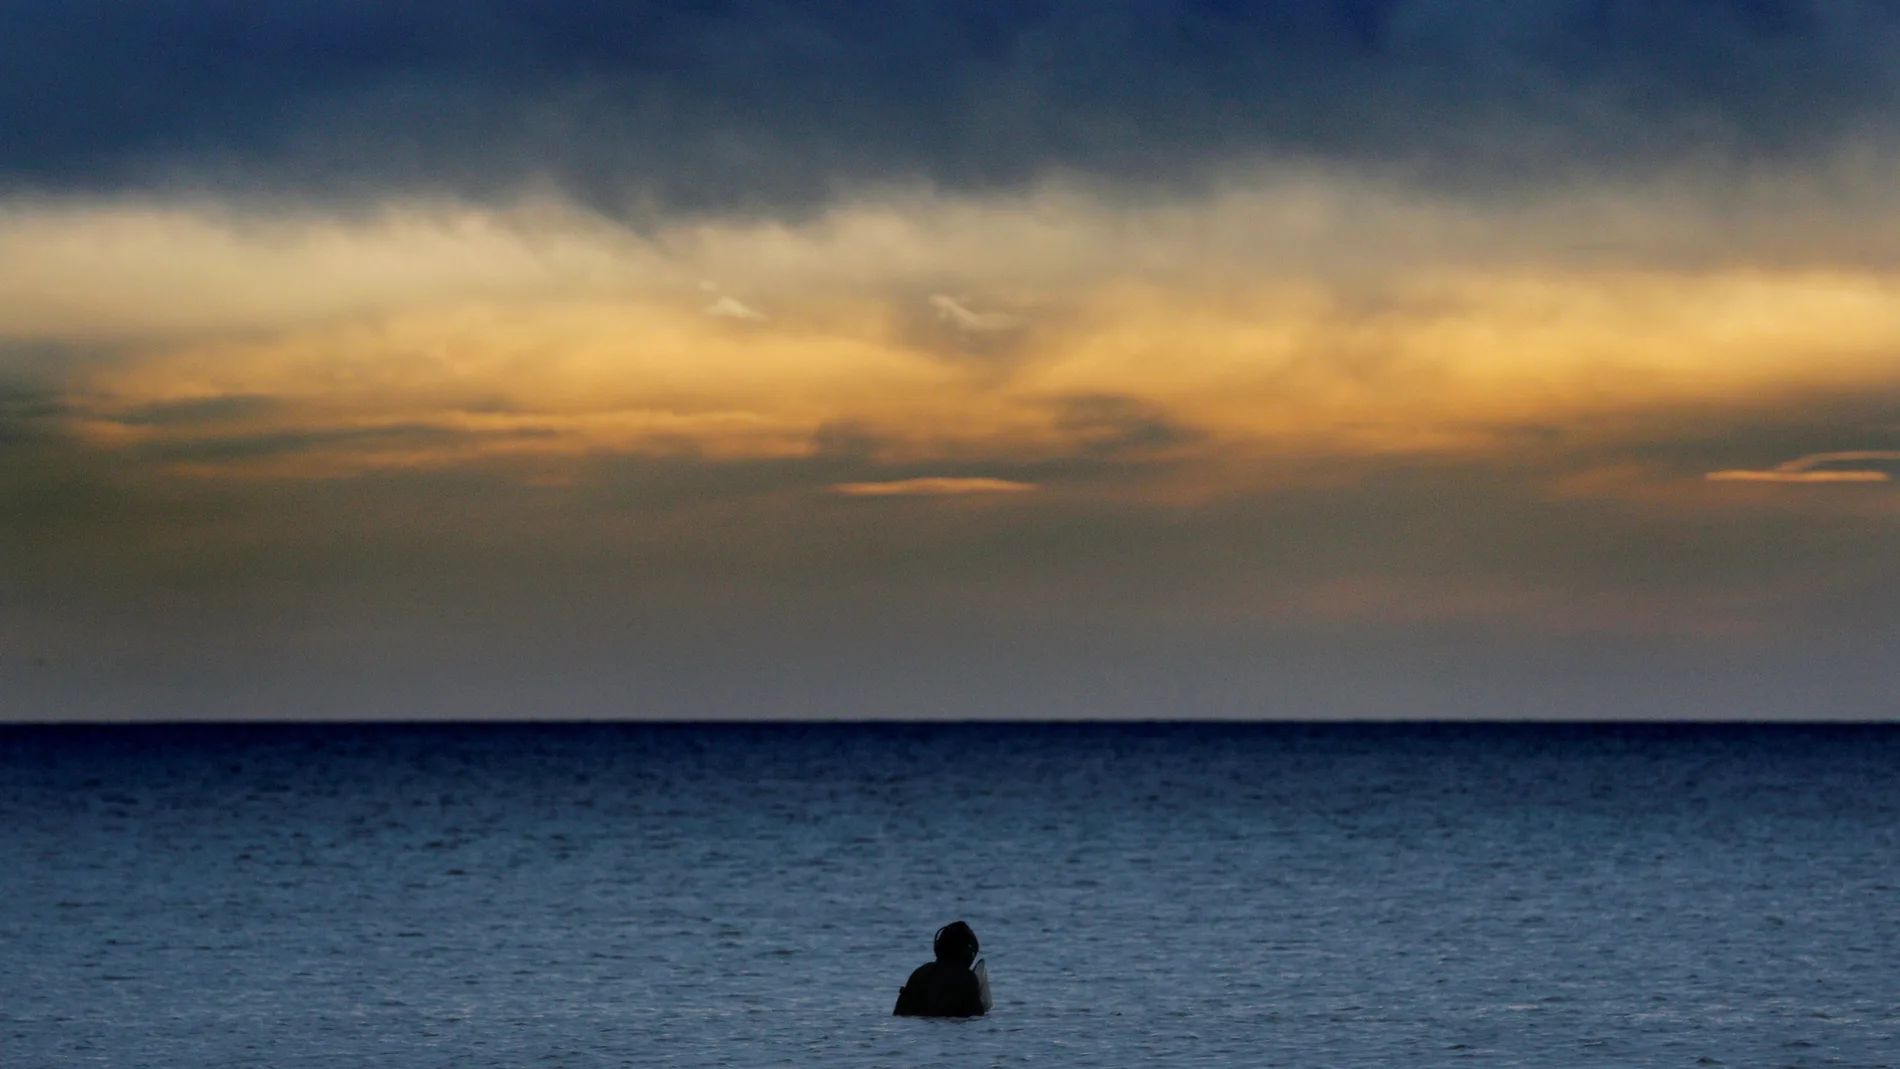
1116	426
954	312
196	411
635	102
1814	468
363	325
1118	371
1186	331
730	308
936	486
28	413
138	268
135	269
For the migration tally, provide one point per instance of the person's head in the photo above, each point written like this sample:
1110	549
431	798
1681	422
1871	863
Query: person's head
955	944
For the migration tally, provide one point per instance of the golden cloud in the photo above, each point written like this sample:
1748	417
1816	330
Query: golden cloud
552	333
1813	469
935	486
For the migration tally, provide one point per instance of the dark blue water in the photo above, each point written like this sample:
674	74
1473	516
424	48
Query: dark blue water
397	896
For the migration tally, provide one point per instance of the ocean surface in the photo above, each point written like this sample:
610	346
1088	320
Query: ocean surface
1147	895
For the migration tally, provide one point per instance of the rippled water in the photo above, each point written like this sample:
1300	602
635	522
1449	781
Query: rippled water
1173	895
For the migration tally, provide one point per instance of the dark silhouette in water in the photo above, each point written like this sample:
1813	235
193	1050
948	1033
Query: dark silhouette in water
955	985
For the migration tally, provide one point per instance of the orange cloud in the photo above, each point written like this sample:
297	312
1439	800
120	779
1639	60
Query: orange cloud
935	486
1810	469
552	333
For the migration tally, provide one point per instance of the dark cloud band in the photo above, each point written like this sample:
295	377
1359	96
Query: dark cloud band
722	103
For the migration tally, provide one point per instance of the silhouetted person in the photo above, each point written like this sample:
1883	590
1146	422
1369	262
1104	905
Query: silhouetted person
955	985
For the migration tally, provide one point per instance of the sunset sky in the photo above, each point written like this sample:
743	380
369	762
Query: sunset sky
1054	358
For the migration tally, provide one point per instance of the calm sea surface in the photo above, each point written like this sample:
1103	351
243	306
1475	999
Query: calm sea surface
394	896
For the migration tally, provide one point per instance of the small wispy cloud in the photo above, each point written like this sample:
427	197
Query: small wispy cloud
1814	468
731	308
936	486
960	315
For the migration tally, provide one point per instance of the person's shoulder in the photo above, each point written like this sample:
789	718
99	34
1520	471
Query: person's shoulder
922	994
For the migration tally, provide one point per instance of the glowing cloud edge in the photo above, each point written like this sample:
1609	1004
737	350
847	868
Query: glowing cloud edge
937	486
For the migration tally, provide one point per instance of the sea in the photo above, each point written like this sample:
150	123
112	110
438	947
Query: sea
416	895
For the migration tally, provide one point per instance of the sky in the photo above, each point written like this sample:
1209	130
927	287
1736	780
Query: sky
930	359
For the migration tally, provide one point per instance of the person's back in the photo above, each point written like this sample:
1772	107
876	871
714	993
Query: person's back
947	987
940	989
